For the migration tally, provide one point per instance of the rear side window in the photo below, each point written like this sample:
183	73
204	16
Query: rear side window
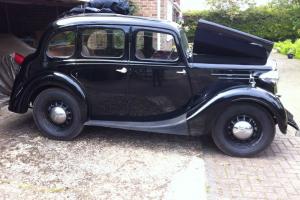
62	45
103	42
155	46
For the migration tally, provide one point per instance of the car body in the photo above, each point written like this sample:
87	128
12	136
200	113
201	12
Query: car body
138	74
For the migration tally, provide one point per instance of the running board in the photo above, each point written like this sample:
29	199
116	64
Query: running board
175	126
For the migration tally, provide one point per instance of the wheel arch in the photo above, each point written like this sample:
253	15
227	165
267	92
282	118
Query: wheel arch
206	112
54	80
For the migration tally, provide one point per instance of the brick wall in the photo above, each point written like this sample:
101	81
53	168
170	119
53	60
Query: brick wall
148	8
163	9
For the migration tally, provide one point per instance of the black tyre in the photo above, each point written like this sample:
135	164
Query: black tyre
58	114
243	130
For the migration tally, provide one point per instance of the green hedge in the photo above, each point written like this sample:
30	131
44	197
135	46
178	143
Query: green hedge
271	23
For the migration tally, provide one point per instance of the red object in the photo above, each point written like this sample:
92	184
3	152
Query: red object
19	59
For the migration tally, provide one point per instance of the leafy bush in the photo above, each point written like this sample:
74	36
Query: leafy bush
288	47
297	46
273	23
284	47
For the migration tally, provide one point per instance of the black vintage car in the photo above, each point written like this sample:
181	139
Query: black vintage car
139	74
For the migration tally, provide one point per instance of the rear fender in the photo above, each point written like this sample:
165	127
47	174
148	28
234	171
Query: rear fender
206	111
21	98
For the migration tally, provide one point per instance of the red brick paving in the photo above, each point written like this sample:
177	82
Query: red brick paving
274	174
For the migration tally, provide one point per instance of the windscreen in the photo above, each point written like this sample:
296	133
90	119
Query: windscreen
185	43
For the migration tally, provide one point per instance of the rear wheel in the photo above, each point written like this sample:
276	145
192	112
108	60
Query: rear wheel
58	115
244	130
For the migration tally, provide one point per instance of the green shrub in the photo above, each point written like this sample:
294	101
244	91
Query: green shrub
284	47
297	46
288	47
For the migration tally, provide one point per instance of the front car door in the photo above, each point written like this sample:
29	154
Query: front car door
159	86
102	70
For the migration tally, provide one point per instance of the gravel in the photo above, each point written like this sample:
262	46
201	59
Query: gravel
99	164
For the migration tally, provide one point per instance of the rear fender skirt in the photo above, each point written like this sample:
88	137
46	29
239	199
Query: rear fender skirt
240	94
20	100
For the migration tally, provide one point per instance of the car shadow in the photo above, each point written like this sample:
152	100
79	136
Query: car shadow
14	126
138	139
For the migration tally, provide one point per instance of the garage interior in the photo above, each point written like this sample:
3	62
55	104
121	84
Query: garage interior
27	19
22	23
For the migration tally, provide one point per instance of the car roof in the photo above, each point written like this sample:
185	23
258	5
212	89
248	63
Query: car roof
115	19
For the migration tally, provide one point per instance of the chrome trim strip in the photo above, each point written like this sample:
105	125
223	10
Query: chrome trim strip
89	60
206	105
230	66
232	78
248	74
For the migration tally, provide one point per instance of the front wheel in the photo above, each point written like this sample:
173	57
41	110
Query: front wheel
244	130
58	114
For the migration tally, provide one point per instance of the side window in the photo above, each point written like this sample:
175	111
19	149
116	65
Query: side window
155	46
103	43
62	45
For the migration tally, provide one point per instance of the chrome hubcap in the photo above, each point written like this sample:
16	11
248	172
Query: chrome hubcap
242	130
58	115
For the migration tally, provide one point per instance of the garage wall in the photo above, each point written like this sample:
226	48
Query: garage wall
3	21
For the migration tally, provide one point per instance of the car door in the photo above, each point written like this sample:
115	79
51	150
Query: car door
102	70
159	86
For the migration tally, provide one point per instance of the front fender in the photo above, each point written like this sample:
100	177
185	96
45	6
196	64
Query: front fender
213	106
24	92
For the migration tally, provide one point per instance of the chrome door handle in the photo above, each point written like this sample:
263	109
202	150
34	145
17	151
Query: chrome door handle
123	70
181	72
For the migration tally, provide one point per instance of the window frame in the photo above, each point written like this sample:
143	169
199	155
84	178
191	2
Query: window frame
102	27
52	35
163	31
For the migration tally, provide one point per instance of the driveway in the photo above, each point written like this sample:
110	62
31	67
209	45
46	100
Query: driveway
100	164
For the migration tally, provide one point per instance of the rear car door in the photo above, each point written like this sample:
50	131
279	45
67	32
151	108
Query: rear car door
159	85
102	70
